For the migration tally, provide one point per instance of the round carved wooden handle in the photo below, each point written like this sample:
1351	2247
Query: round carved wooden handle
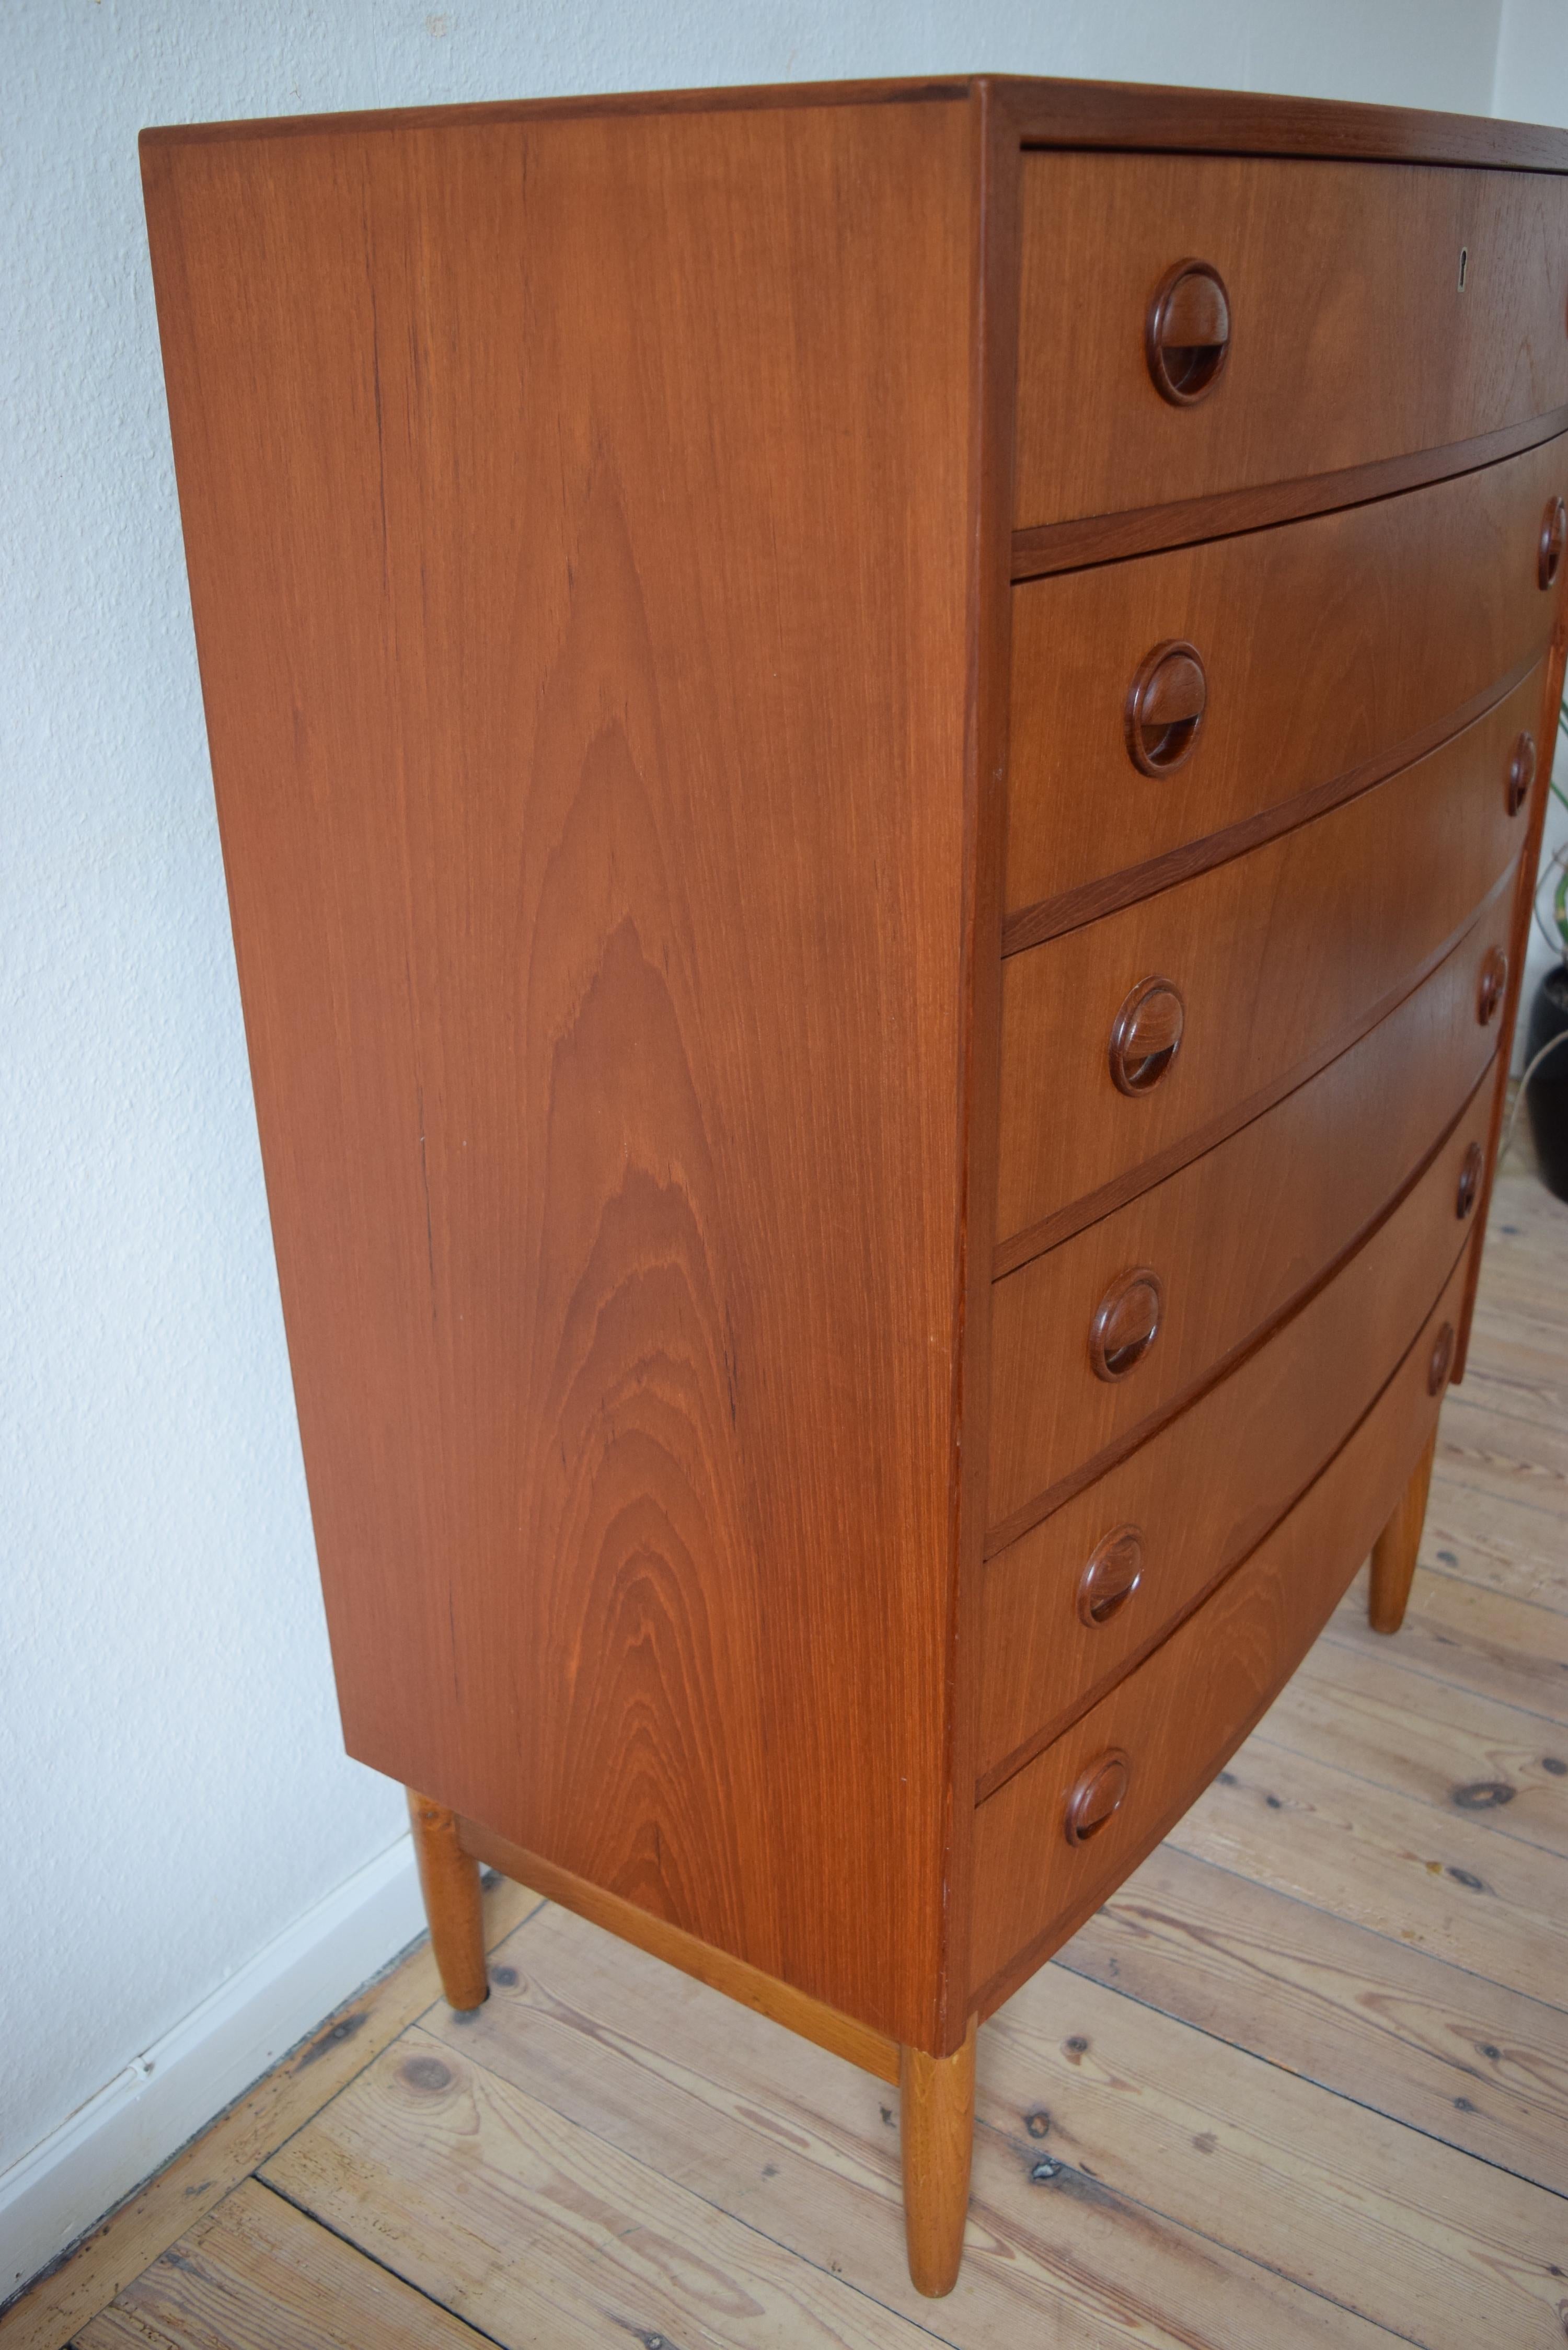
1442	1360
1469	1182
1493	980
1165	706
1553	529
1126	1323
1096	1795
1145	1034
1187	336
1112	1573
1520	773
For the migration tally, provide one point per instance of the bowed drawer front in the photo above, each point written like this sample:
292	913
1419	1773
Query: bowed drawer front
1354	313
880	756
1053	1842
1329	652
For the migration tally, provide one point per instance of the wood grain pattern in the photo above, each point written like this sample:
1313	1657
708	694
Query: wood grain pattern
1451	2054
806	2151
1326	268
1394	1552
1330	2200
1442	1881
936	2141
1207	1486
1184	1711
1485	1757
826	2026
1333	648
537	2232
256	2274
1185	521
601	525
1277	2089
1461	1635
1052	113
559	880
1236	1238
1034	111
449	1885
1277	955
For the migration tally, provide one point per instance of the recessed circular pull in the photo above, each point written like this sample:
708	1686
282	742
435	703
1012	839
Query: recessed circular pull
1126	1323
1145	1035
1520	773
1493	980
1111	1574
1187	336
1440	1361
1553	530
1096	1795
1165	707
1469	1182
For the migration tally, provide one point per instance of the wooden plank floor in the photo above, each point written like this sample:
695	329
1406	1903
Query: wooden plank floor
1304	2081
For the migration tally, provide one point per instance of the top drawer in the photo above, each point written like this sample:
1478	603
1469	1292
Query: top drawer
1350	338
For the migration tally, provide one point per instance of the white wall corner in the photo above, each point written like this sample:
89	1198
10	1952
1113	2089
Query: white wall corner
136	2122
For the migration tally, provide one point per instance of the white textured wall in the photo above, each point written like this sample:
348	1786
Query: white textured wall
174	1791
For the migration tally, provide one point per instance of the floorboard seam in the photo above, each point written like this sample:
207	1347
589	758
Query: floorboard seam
1472	1974
1292	2072
353	2245
1235	2251
830	2276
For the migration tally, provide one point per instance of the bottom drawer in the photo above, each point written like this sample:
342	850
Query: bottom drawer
1174	1721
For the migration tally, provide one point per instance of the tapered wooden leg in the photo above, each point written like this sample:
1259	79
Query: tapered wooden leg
1394	1553
448	1879
935	2134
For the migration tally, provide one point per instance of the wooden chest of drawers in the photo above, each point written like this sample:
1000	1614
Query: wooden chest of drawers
880	752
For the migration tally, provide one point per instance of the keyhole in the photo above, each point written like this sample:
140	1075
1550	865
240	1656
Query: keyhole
1464	264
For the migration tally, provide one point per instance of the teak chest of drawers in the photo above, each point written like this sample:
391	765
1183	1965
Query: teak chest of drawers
881	753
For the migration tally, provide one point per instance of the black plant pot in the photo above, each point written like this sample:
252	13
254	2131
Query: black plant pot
1547	1096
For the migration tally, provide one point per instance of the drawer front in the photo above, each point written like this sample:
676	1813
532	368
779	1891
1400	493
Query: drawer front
1233	1239
1057	1619
1347	335
1180	1714
1327	647
1279	959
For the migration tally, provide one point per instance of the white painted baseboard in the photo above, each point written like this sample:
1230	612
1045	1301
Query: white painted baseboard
130	2127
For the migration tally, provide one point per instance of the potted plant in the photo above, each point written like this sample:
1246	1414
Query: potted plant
1545	1080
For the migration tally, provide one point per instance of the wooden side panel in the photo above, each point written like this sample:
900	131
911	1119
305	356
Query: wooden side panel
577	516
1333	648
1351	336
1190	1706
858	2043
